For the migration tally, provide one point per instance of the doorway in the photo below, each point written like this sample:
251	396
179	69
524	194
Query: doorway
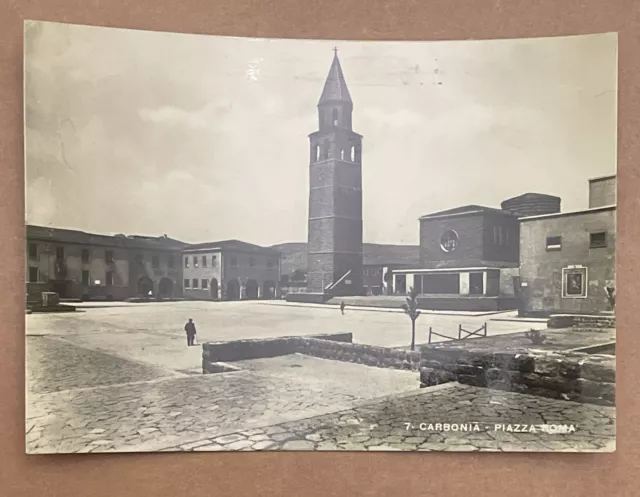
214	289
476	283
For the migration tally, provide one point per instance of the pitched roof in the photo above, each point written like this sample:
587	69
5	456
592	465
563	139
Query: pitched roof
230	245
466	209
335	87
61	235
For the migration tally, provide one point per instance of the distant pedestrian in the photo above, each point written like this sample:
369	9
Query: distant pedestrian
342	306
190	329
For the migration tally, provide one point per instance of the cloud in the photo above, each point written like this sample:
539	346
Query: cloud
401	118
173	116
43	209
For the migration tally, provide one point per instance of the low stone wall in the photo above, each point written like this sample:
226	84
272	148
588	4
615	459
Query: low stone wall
575	376
238	350
51	308
582	321
308	298
369	355
338	347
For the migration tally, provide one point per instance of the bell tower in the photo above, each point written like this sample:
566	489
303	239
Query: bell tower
334	250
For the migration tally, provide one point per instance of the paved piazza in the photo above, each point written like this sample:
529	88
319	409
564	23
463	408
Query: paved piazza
121	378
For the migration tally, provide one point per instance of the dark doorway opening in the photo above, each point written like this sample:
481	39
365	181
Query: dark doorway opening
269	290
252	289
165	289
476	283
233	290
145	287
214	289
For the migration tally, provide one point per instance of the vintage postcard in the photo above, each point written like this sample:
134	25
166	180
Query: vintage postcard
265	244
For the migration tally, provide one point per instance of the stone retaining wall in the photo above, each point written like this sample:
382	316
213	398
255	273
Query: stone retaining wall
369	355
337	347
576	376
581	321
238	350
308	298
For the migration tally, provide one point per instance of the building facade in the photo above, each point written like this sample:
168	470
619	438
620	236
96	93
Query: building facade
603	191
230	270
79	265
567	260
86	266
468	258
334	250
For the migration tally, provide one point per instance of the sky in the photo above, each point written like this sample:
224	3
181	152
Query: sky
205	138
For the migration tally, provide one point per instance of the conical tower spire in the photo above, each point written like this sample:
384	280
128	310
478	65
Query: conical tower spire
335	87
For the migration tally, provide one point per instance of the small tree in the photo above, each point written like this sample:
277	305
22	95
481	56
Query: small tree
611	297
411	310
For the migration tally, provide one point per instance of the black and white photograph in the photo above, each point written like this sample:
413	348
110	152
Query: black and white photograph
249	244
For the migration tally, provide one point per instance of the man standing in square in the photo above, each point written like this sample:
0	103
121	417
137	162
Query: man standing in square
190	329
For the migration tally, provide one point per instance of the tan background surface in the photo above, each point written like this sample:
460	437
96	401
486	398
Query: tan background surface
326	474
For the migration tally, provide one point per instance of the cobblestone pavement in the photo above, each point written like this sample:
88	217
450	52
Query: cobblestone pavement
173	408
382	425
54	365
122	379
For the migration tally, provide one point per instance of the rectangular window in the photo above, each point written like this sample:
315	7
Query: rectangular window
204	261
155	261
139	259
108	256
33	251
109	278
195	261
598	240
186	283
574	282
554	243
85	278
59	252
85	256
33	275
171	261
252	262
214	261
194	283
205	284
186	261
234	262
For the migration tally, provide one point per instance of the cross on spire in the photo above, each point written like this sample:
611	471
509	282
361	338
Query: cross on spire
335	87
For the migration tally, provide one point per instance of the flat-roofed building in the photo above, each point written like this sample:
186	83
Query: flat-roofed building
567	260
